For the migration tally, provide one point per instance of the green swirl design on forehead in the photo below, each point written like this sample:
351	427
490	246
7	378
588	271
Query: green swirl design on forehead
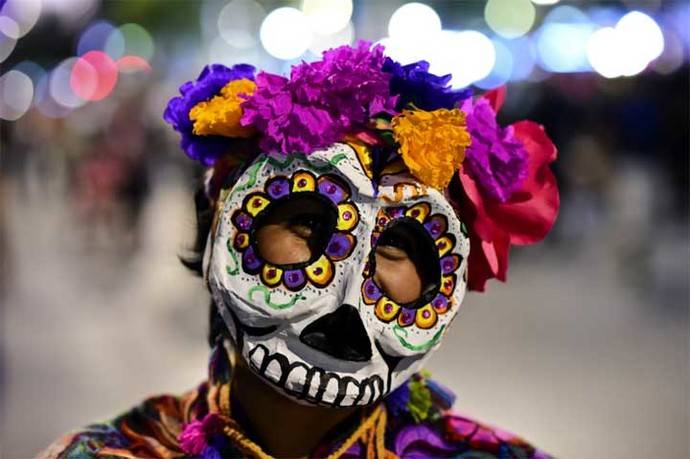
332	162
267	297
401	334
252	172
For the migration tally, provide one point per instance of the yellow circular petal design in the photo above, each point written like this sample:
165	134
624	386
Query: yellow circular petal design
221	115
348	217
271	275
303	181
432	143
426	317
241	241
386	309
447	285
255	203
320	273
444	245
419	211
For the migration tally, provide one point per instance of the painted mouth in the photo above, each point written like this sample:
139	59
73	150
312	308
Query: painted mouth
314	384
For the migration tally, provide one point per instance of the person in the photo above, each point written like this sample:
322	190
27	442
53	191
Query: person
344	213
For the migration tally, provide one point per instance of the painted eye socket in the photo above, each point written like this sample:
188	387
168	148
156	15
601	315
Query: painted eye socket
406	264
292	232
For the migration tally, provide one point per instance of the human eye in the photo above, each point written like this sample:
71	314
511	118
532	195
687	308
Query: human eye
406	263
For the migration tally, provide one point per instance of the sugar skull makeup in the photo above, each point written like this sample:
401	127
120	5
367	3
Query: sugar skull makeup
334	289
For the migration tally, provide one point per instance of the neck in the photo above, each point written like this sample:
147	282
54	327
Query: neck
282	427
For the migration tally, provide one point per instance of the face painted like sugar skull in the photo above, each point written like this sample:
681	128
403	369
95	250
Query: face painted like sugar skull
332	321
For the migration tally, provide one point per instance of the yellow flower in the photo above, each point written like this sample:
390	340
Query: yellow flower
221	115
432	144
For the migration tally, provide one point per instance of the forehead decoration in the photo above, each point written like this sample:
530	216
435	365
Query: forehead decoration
375	150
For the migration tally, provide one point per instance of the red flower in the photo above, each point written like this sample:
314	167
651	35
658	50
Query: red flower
524	219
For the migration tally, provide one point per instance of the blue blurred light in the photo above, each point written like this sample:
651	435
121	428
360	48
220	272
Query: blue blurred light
95	37
563	47
562	40
605	16
524	54
566	15
502	70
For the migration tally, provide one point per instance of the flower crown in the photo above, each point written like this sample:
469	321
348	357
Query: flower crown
497	178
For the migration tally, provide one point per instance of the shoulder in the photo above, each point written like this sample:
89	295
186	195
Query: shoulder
149	429
422	424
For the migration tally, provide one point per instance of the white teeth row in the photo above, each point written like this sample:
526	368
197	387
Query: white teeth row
312	383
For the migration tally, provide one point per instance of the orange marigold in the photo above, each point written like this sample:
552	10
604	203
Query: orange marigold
221	115
432	143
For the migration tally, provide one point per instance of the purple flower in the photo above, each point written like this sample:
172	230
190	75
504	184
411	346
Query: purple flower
209	83
496	159
417	86
322	101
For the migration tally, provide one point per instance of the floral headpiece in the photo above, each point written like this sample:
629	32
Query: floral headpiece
498	178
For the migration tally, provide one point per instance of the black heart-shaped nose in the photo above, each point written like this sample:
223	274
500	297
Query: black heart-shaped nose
340	334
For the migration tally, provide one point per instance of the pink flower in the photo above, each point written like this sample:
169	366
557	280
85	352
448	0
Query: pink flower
525	218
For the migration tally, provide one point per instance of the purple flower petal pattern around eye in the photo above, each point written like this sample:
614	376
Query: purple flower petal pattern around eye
426	91
209	83
322	101
496	159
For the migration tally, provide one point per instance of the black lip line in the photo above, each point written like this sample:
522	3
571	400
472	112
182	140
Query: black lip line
391	362
372	382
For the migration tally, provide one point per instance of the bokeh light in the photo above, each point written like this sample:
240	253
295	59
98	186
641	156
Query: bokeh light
672	57
327	16
16	95
641	33
626	49
132	64
24	13
71	12
219	51
545	2
9	32
59	85
524	55
502	69
413	20
603	52
468	55
239	22
286	33
509	18
95	37
562	40
413	29
93	76
321	43
129	39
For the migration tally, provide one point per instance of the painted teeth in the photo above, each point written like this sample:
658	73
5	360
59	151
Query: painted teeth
273	371
312	383
256	357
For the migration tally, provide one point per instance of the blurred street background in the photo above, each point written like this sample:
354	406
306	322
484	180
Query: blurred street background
584	351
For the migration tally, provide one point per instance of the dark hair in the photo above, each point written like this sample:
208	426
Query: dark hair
194	259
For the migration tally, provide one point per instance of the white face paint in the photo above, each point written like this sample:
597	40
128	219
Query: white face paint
323	331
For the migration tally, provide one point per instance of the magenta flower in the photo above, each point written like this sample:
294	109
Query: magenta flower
322	101
496	159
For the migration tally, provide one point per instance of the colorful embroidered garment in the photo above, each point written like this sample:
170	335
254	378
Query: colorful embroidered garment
417	423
